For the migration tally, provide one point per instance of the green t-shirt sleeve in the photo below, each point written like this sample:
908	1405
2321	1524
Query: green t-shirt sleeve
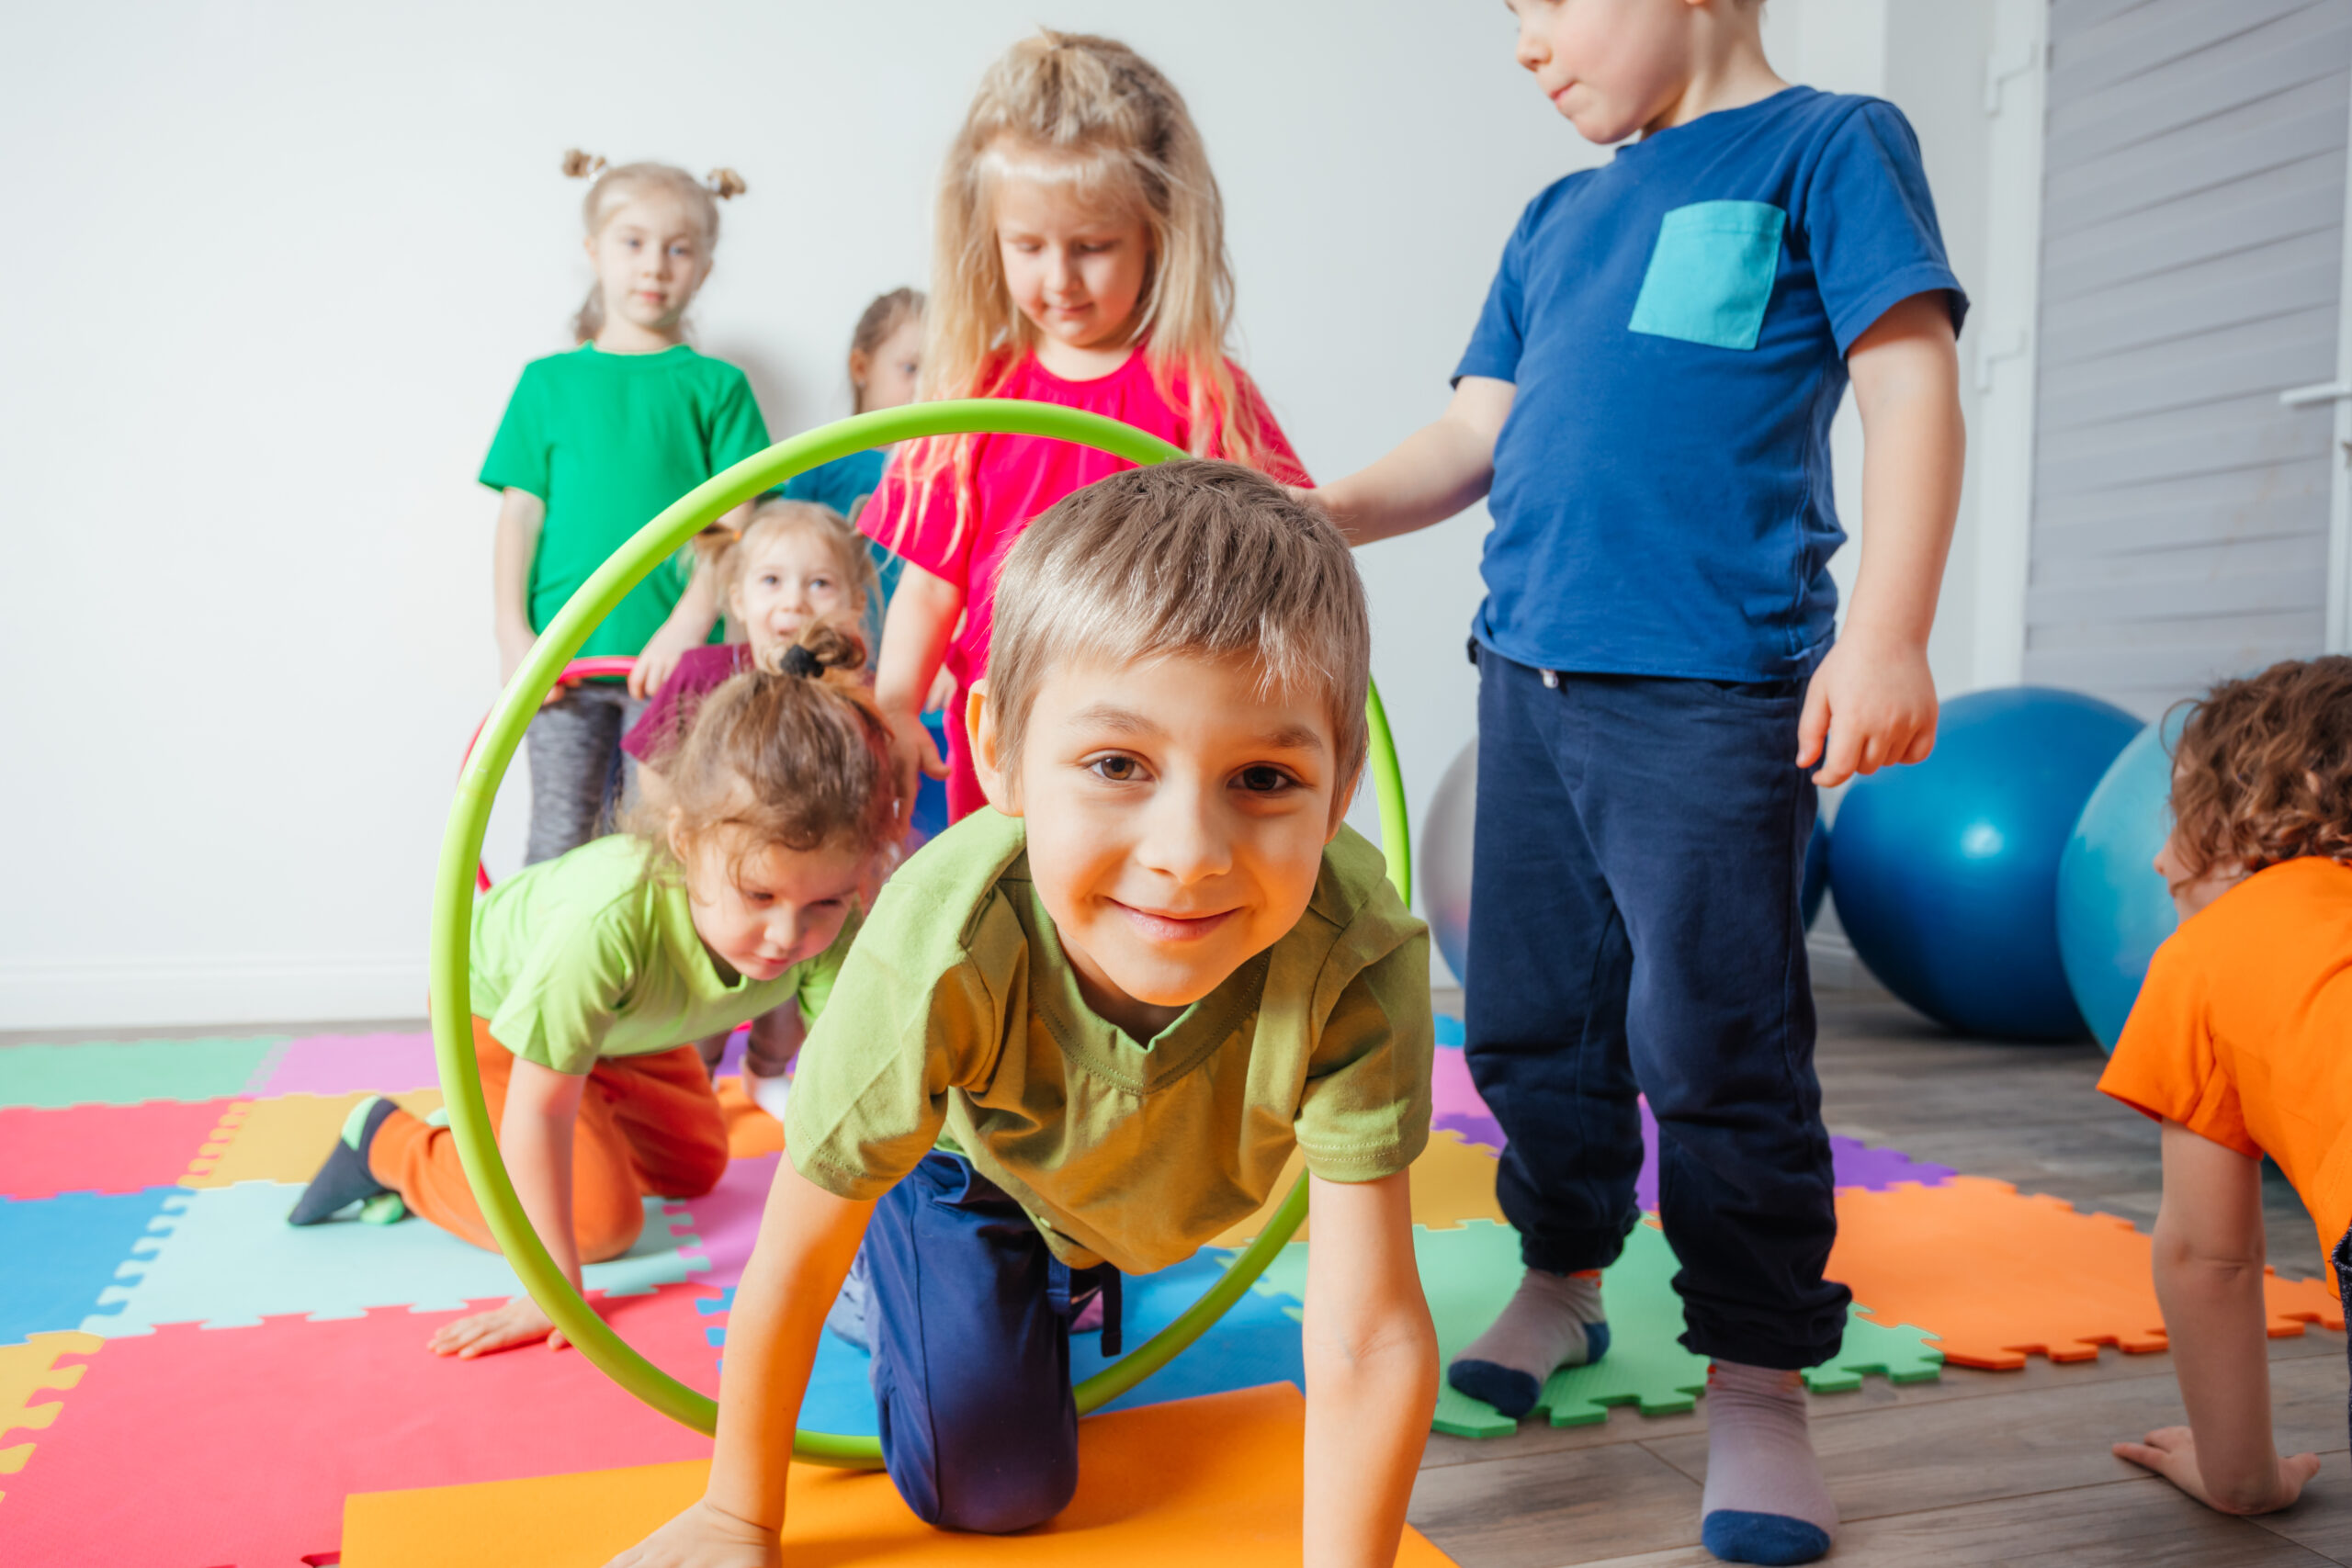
737	431
869	1097
518	453
567	996
1365	1112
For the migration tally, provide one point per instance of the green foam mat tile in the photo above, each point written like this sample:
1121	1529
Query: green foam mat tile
127	1072
1900	1354
1470	1272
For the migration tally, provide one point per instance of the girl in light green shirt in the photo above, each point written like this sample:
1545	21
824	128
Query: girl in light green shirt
593	974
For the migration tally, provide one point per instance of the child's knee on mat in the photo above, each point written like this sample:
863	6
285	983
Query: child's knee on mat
1010	1502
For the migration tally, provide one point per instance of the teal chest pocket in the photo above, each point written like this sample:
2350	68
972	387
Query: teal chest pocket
1711	276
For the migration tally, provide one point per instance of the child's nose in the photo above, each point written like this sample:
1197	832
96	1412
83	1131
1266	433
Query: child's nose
1184	837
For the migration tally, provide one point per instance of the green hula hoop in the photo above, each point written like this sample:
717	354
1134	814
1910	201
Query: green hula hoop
453	897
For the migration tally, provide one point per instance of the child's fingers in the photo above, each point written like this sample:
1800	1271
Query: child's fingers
1840	755
1813	726
2141	1454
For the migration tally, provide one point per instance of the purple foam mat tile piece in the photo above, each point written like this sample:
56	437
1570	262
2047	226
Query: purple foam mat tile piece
1481	1129
1450	1091
731	1061
1853	1162
353	1064
727	1218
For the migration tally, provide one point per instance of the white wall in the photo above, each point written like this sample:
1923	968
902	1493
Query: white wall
277	267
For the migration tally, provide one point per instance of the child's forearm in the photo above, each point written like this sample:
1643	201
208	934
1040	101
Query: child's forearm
1371	1358
914	639
2214	1317
1367	1423
1907	389
520	516
807	1240
535	1140
1431	474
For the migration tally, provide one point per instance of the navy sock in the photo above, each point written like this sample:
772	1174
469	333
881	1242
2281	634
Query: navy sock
345	1178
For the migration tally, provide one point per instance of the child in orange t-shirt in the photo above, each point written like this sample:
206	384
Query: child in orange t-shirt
2241	1043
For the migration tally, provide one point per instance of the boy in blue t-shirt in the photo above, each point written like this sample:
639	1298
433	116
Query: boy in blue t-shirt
1646	403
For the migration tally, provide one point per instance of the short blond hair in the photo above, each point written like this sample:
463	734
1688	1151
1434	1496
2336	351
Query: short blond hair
1192	557
774	517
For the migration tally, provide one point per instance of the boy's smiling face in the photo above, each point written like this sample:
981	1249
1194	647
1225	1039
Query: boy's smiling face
1177	817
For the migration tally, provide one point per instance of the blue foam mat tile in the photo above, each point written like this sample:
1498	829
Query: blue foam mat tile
61	1254
1254	1343
224	1256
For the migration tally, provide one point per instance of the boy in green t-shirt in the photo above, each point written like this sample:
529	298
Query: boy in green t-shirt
1082	1033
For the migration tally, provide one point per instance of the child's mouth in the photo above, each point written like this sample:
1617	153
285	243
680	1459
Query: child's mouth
1157	926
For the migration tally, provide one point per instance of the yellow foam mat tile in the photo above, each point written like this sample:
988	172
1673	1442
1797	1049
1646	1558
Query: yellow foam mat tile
283	1138
1453	1181
28	1370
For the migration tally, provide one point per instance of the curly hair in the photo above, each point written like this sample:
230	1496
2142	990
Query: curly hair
2262	769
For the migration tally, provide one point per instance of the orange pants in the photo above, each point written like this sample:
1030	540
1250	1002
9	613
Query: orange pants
650	1126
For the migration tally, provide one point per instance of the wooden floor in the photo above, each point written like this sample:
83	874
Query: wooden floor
1980	1467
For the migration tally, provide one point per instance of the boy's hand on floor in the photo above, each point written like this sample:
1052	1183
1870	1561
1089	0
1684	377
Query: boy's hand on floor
2171	1452
519	1321
1870	706
704	1537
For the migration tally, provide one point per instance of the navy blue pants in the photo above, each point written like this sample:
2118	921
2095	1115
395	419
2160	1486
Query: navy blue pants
2342	1259
1633	928
969	1318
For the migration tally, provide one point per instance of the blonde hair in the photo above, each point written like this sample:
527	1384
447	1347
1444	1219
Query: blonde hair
880	319
774	517
1118	132
1196	556
2262	769
793	753
616	186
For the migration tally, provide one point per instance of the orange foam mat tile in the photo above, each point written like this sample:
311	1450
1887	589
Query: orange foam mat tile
750	1131
1174	1486
1997	1275
283	1138
1454	1181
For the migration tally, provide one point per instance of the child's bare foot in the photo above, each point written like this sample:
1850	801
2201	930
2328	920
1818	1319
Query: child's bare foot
519	1321
2171	1452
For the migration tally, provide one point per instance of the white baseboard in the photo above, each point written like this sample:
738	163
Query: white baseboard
69	993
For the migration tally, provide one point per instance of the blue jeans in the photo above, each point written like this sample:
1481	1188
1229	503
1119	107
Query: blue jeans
1640	848
969	1315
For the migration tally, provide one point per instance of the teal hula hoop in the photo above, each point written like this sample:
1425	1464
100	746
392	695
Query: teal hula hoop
453	897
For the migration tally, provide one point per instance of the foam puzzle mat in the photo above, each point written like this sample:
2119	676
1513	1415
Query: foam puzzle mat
1217	1478
158	1317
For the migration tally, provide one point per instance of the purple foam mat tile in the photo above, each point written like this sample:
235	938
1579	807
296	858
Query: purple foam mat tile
1853	1162
1450	1091
1481	1129
727	1218
353	1064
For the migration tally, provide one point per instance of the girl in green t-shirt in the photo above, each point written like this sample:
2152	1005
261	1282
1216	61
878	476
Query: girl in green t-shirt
594	442
592	975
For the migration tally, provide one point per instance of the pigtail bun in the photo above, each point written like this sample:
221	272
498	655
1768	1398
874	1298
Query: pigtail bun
725	183
579	166
822	647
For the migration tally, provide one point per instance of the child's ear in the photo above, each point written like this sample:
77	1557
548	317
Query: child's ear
677	838
1341	798
988	761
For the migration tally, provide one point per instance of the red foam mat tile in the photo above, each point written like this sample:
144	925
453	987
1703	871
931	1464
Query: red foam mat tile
102	1148
235	1448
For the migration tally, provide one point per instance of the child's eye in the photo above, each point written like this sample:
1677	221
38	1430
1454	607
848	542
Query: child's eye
1116	769
1264	779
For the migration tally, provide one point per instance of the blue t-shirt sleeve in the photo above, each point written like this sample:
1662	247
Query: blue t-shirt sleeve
1501	331
1870	223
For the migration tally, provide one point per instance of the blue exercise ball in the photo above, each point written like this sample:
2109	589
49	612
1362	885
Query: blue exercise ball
2113	909
1945	874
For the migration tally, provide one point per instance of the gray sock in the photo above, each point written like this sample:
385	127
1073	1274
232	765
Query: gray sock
1765	1500
1552	1321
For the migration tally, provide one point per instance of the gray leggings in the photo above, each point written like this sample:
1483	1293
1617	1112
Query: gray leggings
579	776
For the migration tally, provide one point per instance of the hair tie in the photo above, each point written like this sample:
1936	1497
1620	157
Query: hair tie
799	660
